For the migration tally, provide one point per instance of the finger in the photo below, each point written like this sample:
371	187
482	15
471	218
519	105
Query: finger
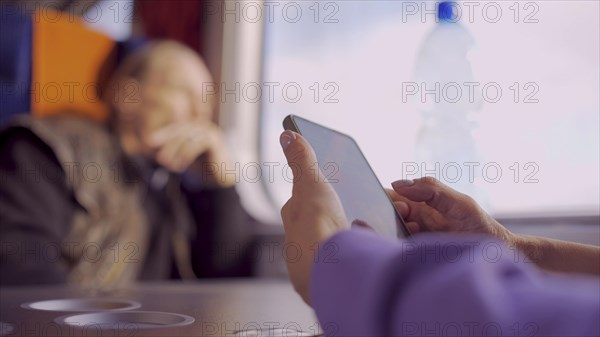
163	135
182	145
192	149
421	213
183	159
395	196
413	227
301	158
167	155
403	207
429	190
176	130
402	203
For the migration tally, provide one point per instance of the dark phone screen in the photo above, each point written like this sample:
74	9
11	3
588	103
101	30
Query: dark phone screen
348	171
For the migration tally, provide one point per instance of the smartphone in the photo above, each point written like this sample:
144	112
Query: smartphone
345	167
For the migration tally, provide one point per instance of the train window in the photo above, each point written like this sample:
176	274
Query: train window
497	99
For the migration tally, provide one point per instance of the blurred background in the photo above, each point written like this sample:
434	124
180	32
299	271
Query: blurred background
498	99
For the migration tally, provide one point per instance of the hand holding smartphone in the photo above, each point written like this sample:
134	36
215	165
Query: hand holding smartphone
345	167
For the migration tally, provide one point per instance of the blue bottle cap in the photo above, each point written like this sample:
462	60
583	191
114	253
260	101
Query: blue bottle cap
445	12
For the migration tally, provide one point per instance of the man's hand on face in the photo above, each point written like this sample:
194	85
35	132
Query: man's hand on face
193	146
314	212
177	146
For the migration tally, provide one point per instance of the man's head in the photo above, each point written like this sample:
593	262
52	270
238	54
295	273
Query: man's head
158	86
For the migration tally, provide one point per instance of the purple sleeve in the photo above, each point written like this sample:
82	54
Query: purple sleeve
445	285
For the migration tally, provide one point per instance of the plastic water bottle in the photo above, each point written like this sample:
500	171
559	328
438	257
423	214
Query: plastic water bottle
449	97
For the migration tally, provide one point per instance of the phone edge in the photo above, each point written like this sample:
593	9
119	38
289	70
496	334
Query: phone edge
289	124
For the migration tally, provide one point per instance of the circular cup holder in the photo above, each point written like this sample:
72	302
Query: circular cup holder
123	320
83	305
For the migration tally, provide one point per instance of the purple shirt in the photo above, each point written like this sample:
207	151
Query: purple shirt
445	285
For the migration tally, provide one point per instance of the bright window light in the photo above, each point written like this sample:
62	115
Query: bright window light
529	138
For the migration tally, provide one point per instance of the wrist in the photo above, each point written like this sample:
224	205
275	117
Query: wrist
529	245
502	233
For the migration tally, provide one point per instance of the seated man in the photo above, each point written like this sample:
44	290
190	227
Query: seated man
140	199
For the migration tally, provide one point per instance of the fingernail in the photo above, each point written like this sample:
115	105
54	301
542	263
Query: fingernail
286	138
361	224
403	183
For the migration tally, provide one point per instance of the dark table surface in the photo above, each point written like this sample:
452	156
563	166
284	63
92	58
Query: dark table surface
220	308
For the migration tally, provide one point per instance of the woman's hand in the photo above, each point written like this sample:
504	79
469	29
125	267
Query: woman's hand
427	205
312	215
